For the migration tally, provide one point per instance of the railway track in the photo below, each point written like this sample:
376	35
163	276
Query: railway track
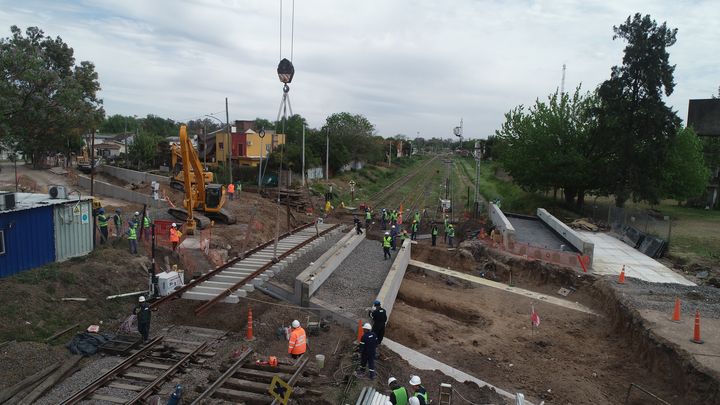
381	197
145	371
247	381
234	279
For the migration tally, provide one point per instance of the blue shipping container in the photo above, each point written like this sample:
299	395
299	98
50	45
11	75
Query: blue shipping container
29	239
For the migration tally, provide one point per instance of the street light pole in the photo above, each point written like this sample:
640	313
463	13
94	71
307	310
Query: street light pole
327	154
303	157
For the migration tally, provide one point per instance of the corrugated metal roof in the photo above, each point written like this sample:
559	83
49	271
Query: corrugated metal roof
26	201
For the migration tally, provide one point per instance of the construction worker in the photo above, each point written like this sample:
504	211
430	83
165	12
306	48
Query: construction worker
434	233
231	191
445	228
368	217
384	219
174	236
103	225
394	217
398	394
379	318
358	226
142	311
414	230
297	346
146	226
403	236
117	221
393	235
132	236
451	234
417	217
367	347
418	391
386	244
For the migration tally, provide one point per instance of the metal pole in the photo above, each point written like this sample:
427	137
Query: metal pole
205	145
327	154
126	150
92	163
228	139
261	158
16	177
303	157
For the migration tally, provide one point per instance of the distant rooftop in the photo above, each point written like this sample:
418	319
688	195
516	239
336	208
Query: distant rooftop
26	201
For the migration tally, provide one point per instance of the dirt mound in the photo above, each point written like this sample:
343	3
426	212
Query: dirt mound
441	304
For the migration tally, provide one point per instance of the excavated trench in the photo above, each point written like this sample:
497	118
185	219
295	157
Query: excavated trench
663	359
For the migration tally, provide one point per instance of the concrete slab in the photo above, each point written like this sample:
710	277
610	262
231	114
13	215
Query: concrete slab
201	296
534	232
611	254
514	290
423	362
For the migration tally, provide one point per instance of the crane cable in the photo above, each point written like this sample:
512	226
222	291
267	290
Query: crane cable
292	30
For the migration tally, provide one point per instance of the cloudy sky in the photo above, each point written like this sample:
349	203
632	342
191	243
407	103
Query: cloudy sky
409	66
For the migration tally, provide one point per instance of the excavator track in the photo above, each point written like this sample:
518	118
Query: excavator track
223	216
181	214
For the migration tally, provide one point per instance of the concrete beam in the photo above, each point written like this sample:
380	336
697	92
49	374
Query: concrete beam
503	225
576	239
308	282
392	283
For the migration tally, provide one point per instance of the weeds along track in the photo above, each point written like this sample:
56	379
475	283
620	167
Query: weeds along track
388	195
466	180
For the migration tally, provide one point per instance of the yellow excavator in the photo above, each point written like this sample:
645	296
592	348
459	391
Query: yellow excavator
177	177
199	196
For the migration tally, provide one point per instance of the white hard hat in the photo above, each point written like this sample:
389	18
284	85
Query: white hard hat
296	324
415	380
413	401
174	225
141	299
367	326
391	379
392	226
387	233
137	213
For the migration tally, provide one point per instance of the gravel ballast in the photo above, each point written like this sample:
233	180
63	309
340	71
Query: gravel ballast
87	374
356	282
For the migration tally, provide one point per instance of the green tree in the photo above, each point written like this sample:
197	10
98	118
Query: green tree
685	174
46	100
634	122
551	145
261	123
144	149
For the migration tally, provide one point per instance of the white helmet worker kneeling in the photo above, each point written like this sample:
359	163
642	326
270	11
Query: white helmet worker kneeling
418	390
297	346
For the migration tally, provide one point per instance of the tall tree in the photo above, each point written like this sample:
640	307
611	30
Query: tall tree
46	100
551	145
685	173
637	126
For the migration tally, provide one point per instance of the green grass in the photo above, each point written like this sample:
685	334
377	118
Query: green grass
370	179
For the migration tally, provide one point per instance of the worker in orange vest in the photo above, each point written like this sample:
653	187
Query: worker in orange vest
298	340
174	236
231	190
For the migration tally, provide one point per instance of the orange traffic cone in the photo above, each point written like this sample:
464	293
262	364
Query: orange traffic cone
676	312
696	335
249	336
621	280
360	330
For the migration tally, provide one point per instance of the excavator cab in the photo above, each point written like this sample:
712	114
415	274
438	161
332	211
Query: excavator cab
213	196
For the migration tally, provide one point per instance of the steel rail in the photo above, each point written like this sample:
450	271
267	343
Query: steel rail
224	377
301	365
100	381
381	196
204	307
178	293
150	388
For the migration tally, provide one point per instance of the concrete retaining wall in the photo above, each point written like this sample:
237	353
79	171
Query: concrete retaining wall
114	191
133	176
583	245
308	282
503	224
392	283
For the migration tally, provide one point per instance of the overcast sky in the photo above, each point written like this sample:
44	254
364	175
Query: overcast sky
409	66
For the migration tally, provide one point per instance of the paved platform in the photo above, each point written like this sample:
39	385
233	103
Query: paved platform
612	253
534	232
